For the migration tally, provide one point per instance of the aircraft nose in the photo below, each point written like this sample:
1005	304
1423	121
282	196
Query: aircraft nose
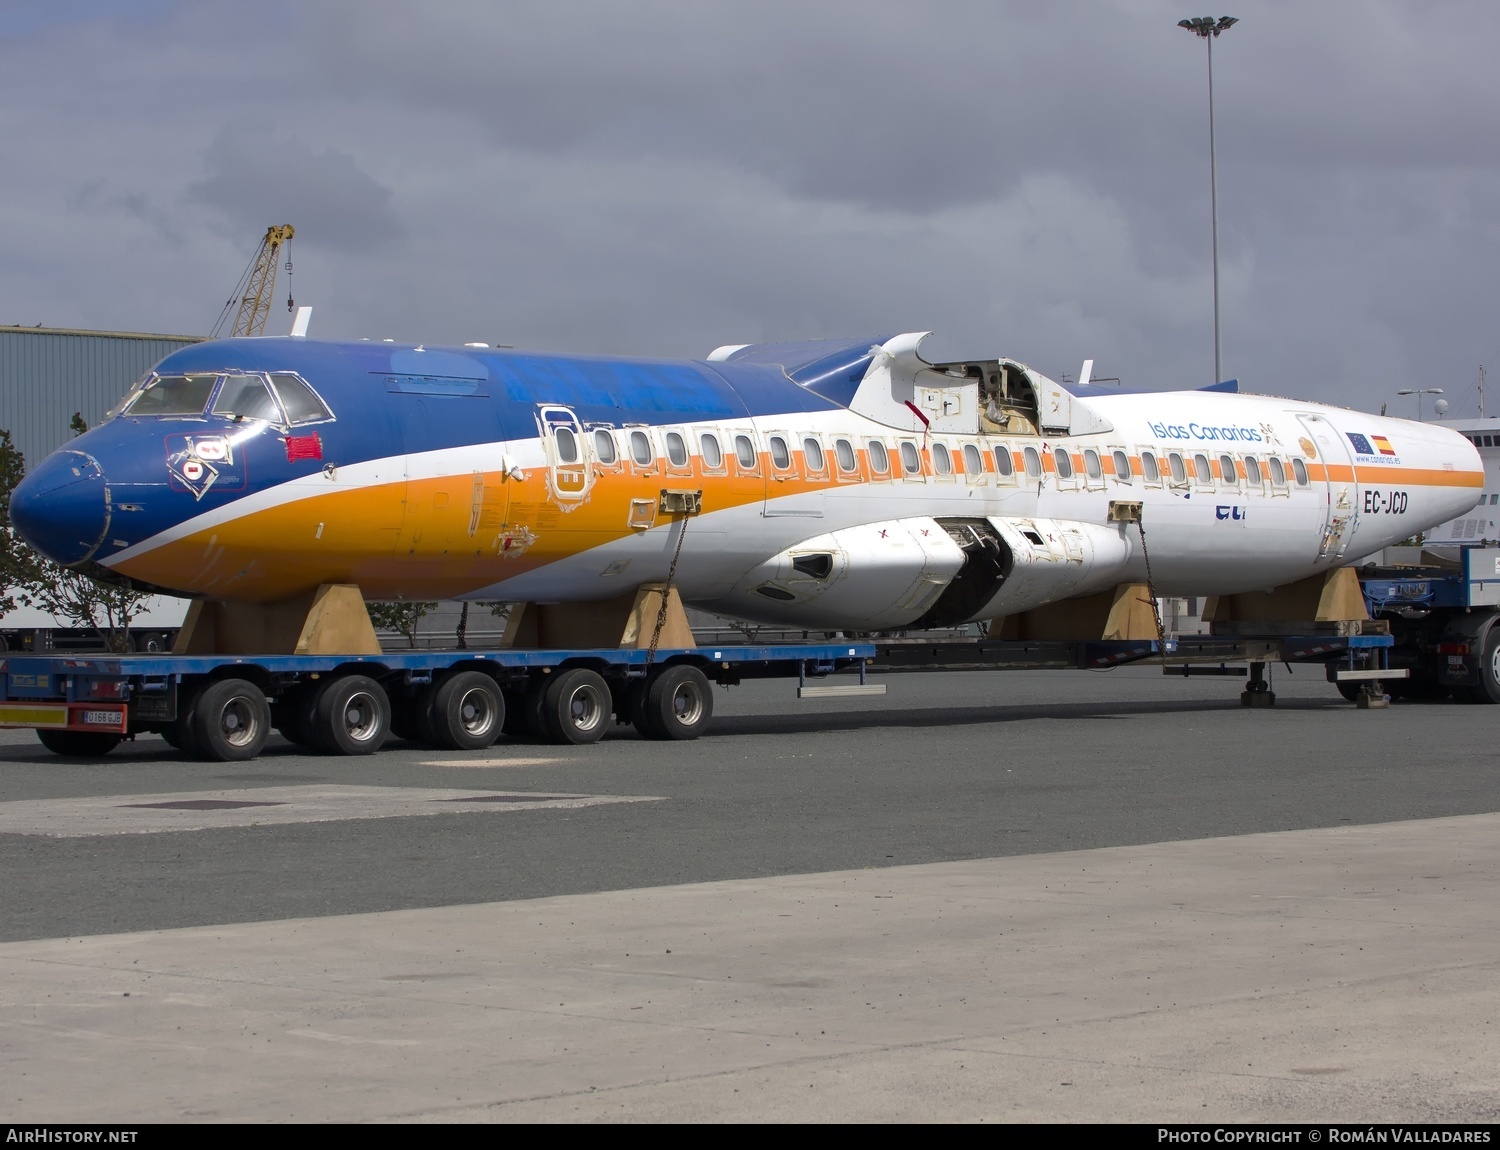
62	508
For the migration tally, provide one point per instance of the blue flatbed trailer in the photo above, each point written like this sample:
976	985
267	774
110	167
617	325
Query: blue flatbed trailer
222	707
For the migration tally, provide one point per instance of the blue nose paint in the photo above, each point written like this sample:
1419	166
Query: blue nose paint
62	508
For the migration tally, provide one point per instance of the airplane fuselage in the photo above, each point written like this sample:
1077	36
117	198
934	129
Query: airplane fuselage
855	488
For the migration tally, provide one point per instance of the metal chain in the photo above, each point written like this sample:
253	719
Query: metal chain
666	594
1161	634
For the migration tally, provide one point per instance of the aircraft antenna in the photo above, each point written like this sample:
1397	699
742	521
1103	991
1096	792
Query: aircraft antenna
251	301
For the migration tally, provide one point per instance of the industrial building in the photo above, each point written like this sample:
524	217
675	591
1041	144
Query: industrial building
46	374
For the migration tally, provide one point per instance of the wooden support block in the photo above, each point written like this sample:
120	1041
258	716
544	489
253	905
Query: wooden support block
628	620
1122	613
1332	597
332	620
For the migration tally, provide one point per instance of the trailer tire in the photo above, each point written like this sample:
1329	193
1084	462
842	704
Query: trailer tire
79	744
514	722
1350	691
350	716
407	716
679	703
1487	689
230	721
291	715
637	711
466	713
576	707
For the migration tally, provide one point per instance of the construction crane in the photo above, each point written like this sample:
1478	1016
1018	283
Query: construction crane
252	294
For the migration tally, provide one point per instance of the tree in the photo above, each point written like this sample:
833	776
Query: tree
32	580
403	617
17	561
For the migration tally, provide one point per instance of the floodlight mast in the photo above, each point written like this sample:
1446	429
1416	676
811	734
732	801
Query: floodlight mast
1419	392
1209	29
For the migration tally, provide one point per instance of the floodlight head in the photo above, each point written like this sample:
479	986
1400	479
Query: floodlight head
1407	391
1206	26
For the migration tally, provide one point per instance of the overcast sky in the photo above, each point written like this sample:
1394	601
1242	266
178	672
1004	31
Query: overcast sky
659	178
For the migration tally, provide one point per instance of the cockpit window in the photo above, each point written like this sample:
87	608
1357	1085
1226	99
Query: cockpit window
174	395
300	401
246	397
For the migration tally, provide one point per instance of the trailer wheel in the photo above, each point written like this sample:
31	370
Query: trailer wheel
82	744
1487	690
467	712
291	715
637	711
576	707
231	721
514	722
351	716
678	705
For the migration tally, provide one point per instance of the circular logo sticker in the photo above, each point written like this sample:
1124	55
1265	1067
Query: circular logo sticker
1307	448
192	470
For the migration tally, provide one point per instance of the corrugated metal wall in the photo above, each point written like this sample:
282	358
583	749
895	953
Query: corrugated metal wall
46	374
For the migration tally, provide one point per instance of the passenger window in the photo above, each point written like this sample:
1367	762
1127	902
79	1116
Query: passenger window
604	446
812	454
567	444
1064	463
640	448
1033	462
880	460
299	401
708	446
1299	469
973	464
781	458
676	450
1252	470
911	462
1122	466
1227	470
1150	472
1004	464
1278	472
744	451
246	397
175	395
1202	469
942	462
845	452
1092	465
1179	469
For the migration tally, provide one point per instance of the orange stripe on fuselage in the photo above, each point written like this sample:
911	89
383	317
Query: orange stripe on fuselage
438	538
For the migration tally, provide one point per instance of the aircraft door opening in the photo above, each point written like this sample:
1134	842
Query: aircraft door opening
568	472
1341	487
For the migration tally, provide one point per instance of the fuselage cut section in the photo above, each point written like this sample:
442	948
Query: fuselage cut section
844	484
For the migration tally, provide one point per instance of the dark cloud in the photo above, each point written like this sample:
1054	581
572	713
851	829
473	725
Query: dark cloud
662	177
256	178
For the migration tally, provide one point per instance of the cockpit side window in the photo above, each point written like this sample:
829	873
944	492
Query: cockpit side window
301	402
246	397
175	395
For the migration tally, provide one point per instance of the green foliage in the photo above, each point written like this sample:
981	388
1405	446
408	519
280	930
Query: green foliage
77	425
403	618
31	580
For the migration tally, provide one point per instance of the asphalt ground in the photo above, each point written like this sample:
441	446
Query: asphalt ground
945	767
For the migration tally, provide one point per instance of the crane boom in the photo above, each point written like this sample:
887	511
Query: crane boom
253	293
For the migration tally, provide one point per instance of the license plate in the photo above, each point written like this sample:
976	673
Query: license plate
101	718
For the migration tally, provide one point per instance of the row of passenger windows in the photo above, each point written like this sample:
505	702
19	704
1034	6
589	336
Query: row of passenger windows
1174	466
